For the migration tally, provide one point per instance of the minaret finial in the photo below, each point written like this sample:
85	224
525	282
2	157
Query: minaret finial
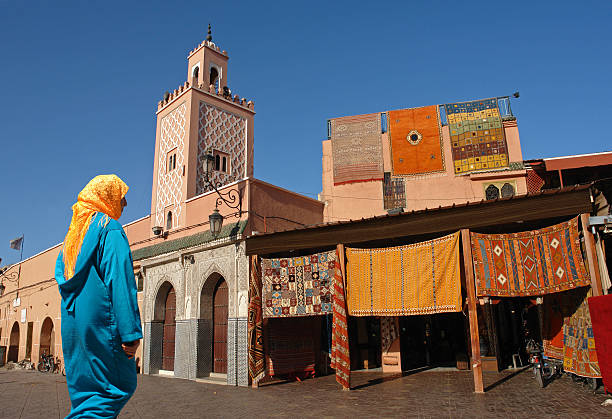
209	36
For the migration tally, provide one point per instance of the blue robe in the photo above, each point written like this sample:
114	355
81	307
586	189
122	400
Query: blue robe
99	313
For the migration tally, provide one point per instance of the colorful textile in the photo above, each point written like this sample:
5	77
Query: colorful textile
388	332
394	192
477	136
416	141
357	148
299	286
529	263
554	309
257	366
340	358
99	310
420	278
600	309
579	352
103	194
291	347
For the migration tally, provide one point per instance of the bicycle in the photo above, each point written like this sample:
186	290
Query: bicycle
47	364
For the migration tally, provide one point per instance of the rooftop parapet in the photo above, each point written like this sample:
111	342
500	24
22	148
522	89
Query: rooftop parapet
209	44
169	97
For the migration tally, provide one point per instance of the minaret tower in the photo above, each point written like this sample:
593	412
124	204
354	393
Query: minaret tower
202	115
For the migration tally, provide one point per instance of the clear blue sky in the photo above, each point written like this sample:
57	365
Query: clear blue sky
81	81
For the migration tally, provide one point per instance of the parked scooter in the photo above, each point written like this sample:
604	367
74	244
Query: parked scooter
544	368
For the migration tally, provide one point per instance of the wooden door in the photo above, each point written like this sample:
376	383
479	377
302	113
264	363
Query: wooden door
220	328
169	331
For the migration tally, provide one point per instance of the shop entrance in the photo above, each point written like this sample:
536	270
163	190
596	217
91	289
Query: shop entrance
437	340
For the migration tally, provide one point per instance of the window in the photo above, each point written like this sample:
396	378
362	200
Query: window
492	192
171	165
169	221
507	191
214	77
222	161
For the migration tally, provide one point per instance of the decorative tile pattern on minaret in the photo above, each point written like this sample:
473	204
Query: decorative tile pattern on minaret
170	185
226	132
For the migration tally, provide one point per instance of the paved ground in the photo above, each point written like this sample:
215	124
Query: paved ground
30	394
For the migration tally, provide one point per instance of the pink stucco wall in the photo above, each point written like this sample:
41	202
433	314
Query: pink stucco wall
365	199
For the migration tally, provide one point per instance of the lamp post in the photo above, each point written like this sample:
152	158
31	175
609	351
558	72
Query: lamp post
232	198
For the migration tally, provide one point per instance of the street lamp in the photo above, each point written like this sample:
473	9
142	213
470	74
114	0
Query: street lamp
232	198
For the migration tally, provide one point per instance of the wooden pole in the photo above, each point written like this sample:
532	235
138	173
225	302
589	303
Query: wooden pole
472	307
589	244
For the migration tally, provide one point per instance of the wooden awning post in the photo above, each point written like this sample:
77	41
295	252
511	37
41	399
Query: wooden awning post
472	307
589	244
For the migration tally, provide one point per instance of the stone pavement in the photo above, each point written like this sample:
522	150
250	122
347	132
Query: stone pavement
30	394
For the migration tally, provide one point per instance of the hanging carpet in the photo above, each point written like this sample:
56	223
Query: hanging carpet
340	359
291	347
416	141
600	309
299	286
255	324
420	278
529	263
478	141
579	352
554	309
357	148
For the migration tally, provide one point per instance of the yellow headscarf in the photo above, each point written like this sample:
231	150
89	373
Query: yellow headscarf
102	194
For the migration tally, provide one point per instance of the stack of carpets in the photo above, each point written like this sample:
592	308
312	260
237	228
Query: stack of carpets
579	352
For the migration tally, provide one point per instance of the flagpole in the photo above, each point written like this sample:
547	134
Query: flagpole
20	260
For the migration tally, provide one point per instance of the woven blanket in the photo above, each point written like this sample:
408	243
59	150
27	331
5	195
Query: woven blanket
357	149
529	263
340	359
420	278
478	141
555	308
255	325
299	286
416	141
600	309
388	332
579	352
291	347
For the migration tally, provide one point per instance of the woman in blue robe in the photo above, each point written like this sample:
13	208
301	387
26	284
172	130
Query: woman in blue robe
100	319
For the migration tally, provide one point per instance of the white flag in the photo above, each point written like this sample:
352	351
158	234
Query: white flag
16	243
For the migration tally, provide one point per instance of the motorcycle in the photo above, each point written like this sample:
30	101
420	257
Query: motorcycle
544	368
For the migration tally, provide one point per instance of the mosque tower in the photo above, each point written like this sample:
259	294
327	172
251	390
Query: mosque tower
202	116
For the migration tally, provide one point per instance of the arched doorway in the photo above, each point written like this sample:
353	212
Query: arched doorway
47	338
220	303
13	352
169	331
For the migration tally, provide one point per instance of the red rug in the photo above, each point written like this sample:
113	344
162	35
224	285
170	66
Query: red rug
291	347
601	314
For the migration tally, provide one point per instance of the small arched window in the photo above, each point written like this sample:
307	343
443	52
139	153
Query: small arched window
214	77
217	162
224	166
492	192
169	221
507	190
196	72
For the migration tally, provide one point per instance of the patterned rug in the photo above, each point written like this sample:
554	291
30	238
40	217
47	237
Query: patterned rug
579	353
420	278
529	263
257	365
477	136
554	310
299	286
600	309
340	358
416	141
357	148
291	347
